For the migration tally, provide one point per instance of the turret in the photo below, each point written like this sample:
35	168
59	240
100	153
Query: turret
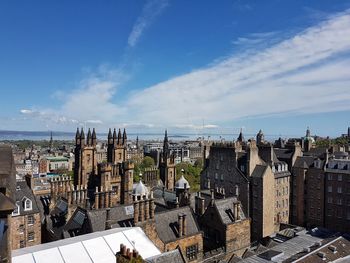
114	137
82	137
124	137
119	137
77	137
110	138
88	140
93	139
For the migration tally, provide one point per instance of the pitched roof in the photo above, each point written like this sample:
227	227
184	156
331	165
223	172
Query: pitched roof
167	226
304	161
225	209
173	256
259	170
23	192
283	153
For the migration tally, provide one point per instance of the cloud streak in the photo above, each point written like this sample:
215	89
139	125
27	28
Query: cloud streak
151	10
306	73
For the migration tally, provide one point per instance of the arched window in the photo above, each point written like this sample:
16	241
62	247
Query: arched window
27	205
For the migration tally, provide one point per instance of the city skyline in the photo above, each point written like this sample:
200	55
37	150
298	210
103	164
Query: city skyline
156	64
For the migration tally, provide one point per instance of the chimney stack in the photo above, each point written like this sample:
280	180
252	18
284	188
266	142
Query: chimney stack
180	223
184	225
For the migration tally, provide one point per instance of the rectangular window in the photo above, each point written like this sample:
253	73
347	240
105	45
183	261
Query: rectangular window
329	200
30	220
329	177
21	229
191	252
339	190
340	201
340	177
22	244
330	189
31	236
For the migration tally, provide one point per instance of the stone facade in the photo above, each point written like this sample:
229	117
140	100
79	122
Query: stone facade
115	176
26	231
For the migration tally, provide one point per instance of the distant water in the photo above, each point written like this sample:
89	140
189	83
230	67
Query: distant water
70	136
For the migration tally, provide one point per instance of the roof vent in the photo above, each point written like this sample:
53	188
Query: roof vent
333	248
306	249
322	255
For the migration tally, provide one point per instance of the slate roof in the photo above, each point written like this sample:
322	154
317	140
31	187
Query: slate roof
173	256
283	153
225	209
97	219
61	207
167	226
317	152
342	247
259	170
304	162
22	192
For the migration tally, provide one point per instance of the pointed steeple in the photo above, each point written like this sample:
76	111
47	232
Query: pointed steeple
124	137
88	139
260	137
308	133
82	136
77	137
137	142
114	137
240	136
93	139
119	137
110	138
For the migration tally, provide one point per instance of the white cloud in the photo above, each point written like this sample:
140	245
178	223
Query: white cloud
150	11
307	73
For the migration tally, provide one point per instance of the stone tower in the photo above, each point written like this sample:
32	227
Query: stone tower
85	158
116	150
260	137
167	165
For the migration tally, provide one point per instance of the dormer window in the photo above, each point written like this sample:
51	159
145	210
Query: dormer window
27	204
16	211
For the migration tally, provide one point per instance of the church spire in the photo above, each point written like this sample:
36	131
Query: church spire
77	137
88	140
240	136
82	136
114	136
124	137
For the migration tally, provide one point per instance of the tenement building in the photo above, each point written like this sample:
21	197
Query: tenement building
320	192
255	175
26	222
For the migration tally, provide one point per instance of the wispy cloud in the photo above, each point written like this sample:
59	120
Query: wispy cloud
151	10
305	73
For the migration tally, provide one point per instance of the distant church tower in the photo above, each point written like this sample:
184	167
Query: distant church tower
117	147
85	166
51	142
260	137
167	165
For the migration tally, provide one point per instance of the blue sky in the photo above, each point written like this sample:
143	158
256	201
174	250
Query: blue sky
274	65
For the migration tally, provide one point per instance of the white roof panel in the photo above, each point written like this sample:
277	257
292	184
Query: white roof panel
141	242
52	255
75	252
27	258
99	250
114	241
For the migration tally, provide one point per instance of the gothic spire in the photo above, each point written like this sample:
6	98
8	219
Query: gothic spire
240	136
93	140
124	137
119	137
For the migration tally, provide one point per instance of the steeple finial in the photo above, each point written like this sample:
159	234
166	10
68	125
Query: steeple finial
124	137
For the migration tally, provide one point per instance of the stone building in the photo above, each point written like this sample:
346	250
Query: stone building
168	230
116	175
257	176
7	197
26	221
224	224
320	191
